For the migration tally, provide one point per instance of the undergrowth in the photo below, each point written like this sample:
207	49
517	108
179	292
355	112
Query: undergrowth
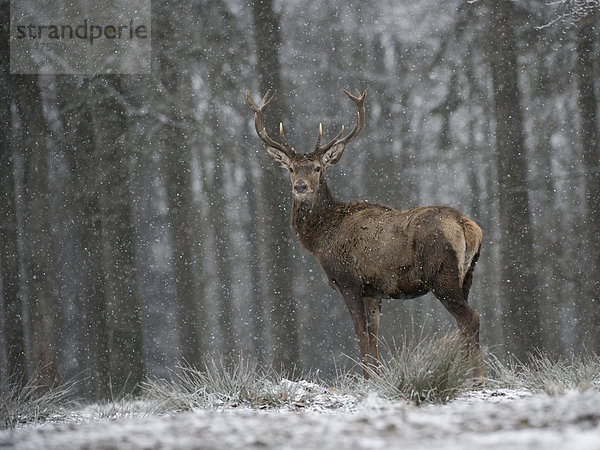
31	402
426	370
542	373
423	370
220	384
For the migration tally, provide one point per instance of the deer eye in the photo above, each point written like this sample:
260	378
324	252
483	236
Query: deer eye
317	169
291	170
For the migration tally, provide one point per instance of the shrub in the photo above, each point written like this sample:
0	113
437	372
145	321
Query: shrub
542	373
427	370
221	384
26	403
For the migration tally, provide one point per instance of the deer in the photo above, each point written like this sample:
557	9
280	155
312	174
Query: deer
369	251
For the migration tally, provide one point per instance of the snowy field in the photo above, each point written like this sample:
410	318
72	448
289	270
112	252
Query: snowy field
489	419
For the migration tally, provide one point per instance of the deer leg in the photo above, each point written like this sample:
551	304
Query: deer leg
468	324
356	307
372	308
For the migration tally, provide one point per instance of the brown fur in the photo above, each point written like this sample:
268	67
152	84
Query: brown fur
399	254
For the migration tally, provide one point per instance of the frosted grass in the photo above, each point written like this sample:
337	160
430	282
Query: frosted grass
421	371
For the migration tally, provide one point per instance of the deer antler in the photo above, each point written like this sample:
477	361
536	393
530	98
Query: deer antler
360	121
260	128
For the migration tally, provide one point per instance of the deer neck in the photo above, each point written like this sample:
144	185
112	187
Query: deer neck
311	218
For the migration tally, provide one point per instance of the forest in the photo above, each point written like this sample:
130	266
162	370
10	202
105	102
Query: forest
143	225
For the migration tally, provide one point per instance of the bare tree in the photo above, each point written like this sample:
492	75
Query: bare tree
521	311
38	251
9	252
586	70
277	249
174	94
83	193
223	247
123	323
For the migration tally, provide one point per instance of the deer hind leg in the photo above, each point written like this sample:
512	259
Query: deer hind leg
451	296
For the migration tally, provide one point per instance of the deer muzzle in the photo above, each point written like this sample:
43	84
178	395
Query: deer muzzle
300	187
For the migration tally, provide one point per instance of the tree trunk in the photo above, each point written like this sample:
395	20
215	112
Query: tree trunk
186	235
589	333
9	252
521	313
277	250
93	352
186	246
223	254
124	327
37	226
9	263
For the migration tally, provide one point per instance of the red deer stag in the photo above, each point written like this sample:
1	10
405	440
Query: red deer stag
370	251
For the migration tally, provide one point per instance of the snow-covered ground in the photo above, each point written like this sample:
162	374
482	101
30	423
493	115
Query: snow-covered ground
487	419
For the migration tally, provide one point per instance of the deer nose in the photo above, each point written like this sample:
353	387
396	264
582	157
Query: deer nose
300	187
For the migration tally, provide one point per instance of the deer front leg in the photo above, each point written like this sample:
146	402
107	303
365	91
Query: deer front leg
357	312
364	324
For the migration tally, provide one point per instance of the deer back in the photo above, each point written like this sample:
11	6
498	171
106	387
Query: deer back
397	253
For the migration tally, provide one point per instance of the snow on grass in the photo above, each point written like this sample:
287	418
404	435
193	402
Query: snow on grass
541	404
426	370
541	373
244	384
30	402
494	419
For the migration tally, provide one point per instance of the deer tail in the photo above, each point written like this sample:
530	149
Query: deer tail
473	237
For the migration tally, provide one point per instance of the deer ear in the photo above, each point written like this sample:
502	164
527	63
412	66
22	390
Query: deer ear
333	155
278	157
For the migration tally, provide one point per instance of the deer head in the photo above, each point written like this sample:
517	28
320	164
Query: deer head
306	169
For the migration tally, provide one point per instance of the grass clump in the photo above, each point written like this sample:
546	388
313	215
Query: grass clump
125	407
542	373
219	384
425	370
30	402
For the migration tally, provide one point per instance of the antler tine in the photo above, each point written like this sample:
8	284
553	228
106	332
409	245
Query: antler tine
360	121
359	99
319	136
266	100
259	126
360	115
250	102
320	149
282	134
